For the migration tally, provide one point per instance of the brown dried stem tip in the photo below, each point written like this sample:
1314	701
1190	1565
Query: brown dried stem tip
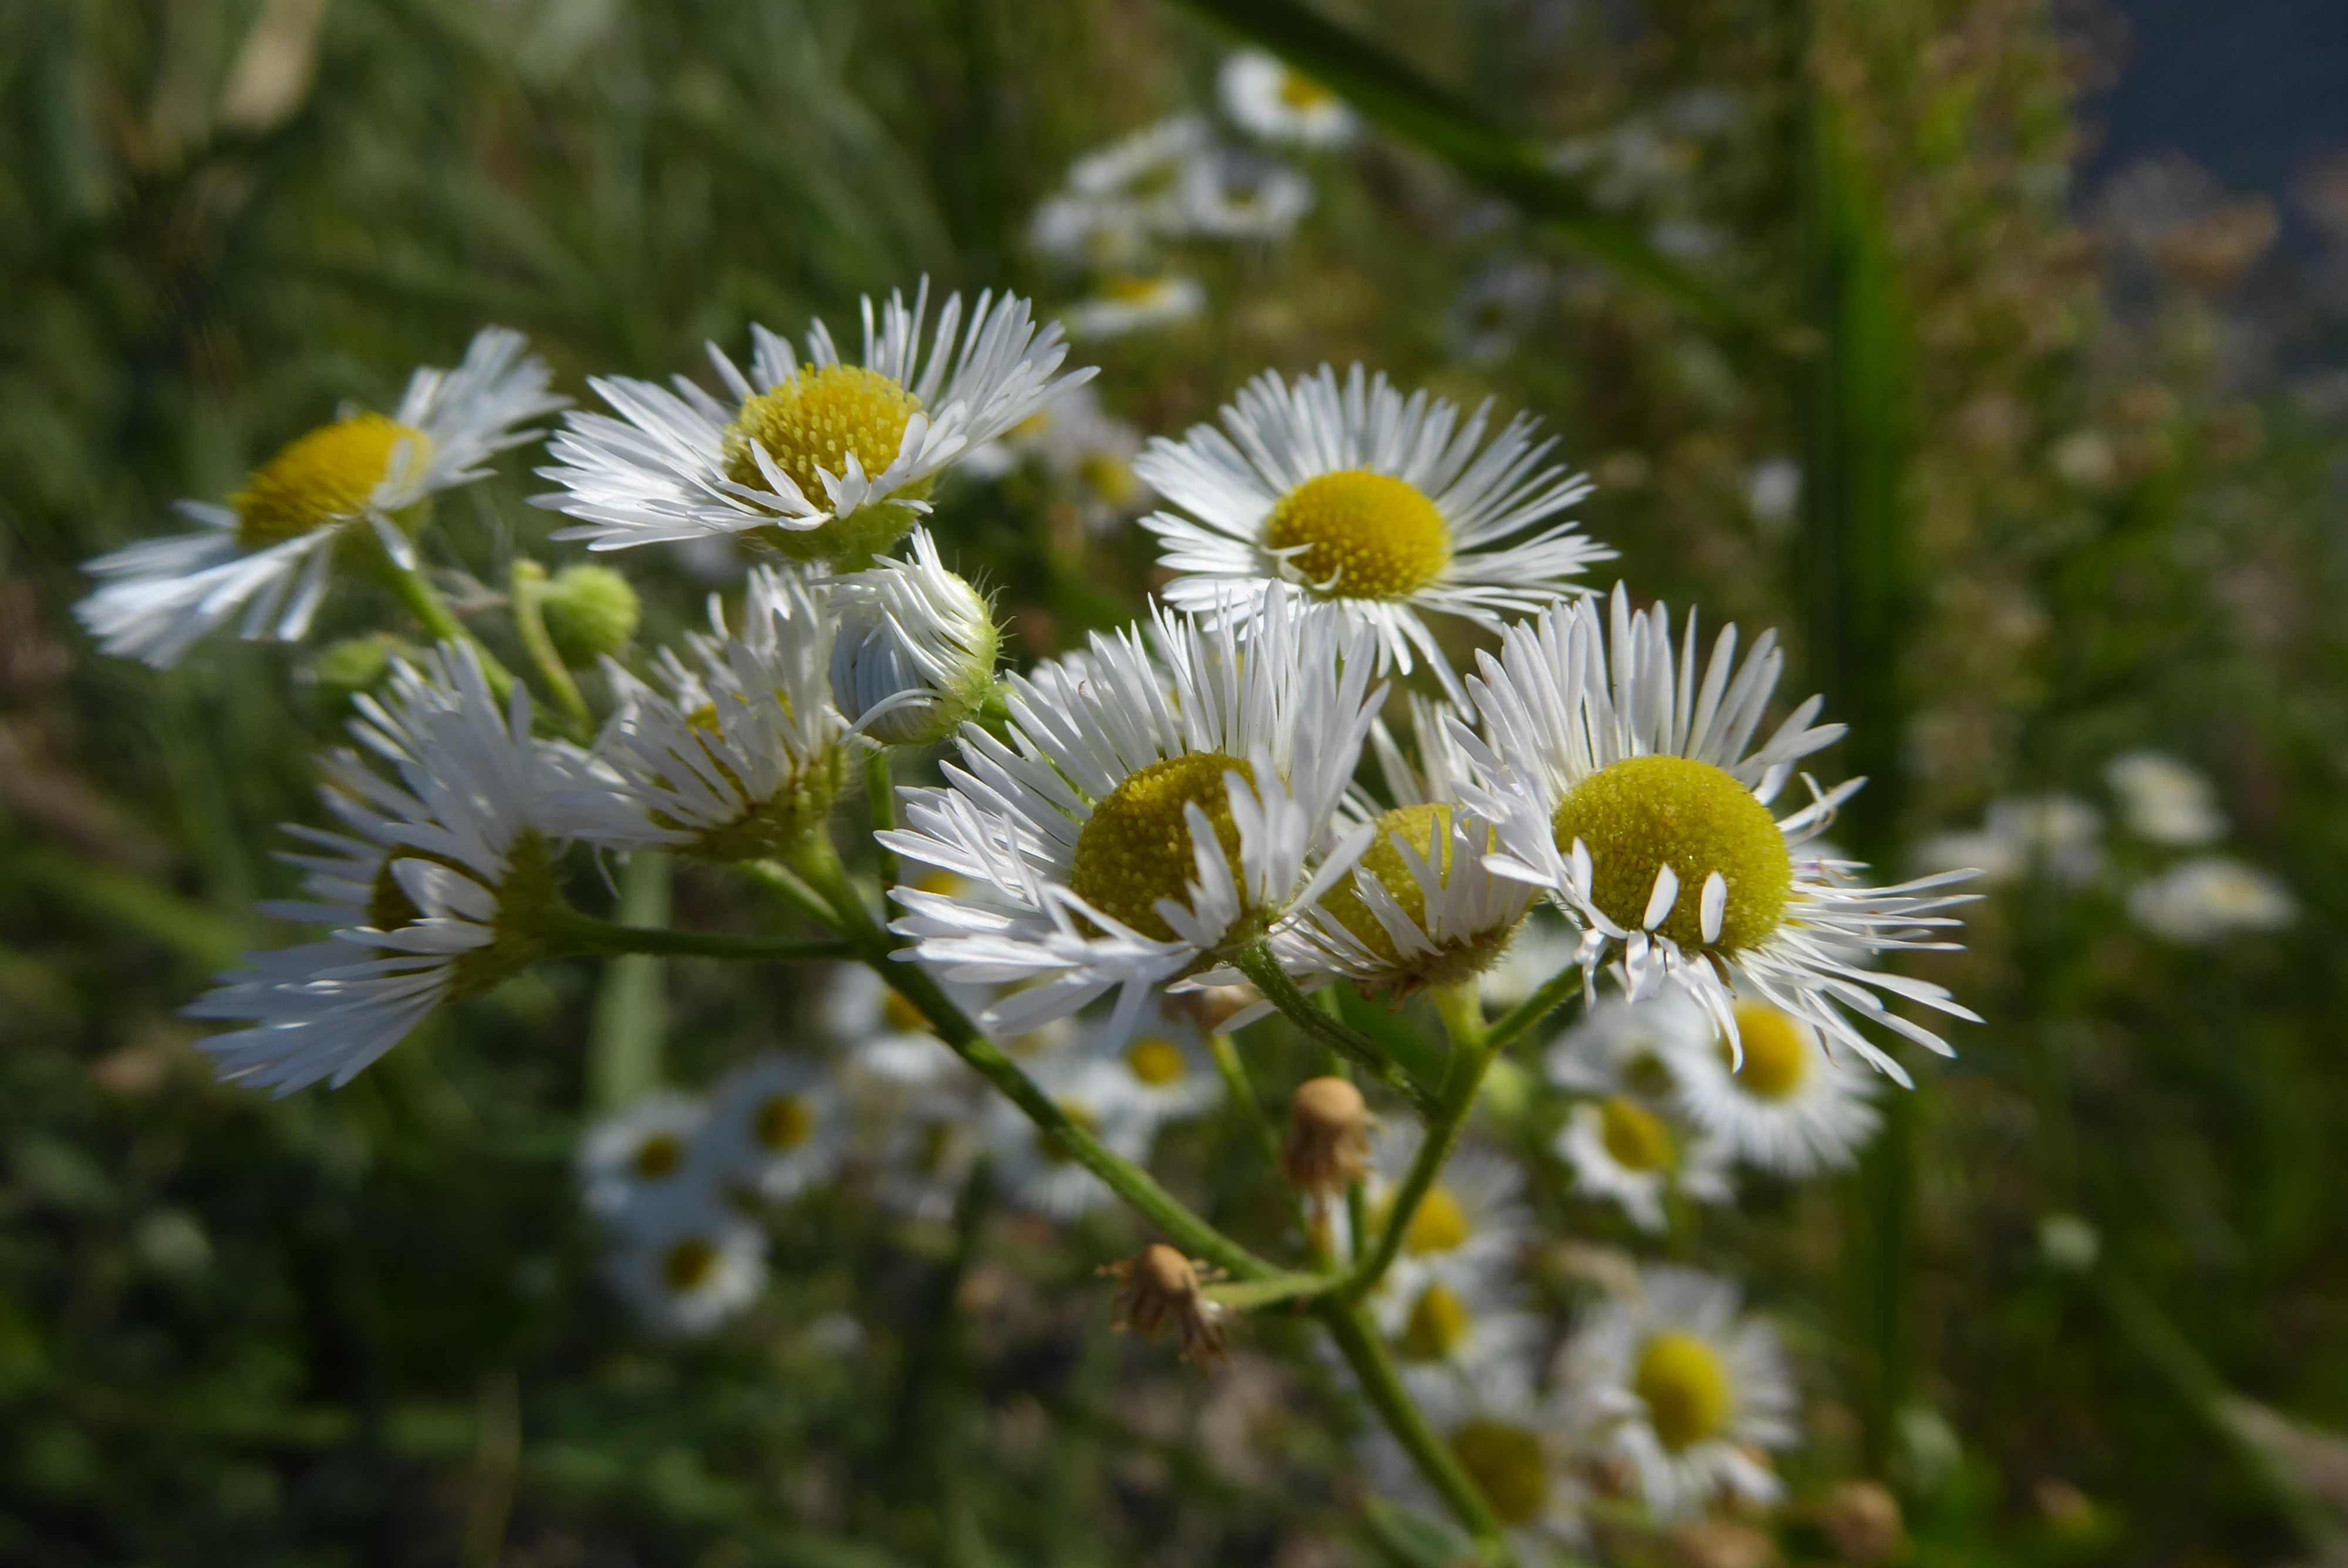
1161	1286
1328	1137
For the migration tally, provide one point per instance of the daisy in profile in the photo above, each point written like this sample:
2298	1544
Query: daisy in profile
1622	1152
823	460
432	889
1147	815
776	1126
646	1158
1268	100
1392	507
1784	1104
266	558
1131	301
1161	1070
1038	1172
1685	1388
1629	784
739	757
686	1271
1516	1445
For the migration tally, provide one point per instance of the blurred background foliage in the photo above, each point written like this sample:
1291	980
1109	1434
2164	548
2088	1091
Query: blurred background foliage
2029	481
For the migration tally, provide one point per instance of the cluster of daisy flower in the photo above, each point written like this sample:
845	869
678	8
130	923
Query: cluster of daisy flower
1123	208
1277	782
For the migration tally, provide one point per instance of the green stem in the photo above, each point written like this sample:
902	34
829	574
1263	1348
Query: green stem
785	884
1280	1287
819	867
1471	1053
572	933
1358	1341
1257	963
881	797
1226	1052
425	602
1555	992
526	588
624	1034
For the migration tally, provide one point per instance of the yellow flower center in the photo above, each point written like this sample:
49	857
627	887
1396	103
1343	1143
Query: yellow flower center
657	1156
811	424
1644	813
322	477
1438	1325
1441	1224
1634	1136
1506	1466
1156	1061
1685	1388
904	1016
687	1264
784	1122
1360	535
1127	289
1136	848
1304	94
1777	1052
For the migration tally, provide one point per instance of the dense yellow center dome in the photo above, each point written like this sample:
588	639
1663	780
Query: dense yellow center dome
322	477
1136	847
1685	1388
1777	1052
811	424
1427	830
1363	535
1641	814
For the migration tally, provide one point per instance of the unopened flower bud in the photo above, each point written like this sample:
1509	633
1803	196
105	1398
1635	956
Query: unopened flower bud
913	653
590	611
1860	1520
344	669
1328	1136
1722	1543
1160	1286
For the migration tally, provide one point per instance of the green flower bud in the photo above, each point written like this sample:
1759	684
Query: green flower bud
590	611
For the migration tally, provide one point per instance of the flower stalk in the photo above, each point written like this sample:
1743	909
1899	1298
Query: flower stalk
526	596
1258	964
1471	1053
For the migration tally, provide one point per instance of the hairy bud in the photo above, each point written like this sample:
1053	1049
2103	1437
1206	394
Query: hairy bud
914	650
590	611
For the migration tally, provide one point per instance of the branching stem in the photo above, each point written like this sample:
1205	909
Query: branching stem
575	933
1471	1053
1259	966
526	590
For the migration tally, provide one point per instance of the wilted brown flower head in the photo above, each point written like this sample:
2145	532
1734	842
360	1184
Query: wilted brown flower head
1328	1136
1160	1286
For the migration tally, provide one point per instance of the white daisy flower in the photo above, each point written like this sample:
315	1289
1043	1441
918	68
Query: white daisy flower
823	461
929	1145
2164	801
432	890
1472	1220
2059	834
1632	791
1515	1446
885	1036
1119	199
1469	1324
1129	302
1623	1047
647	1157
1145	816
776	1126
1038	1171
267	555
914	649
1366	499
1786	1106
686	1272
1084	447
740	758
1686	1389
1229	195
2209	896
1267	99
1161	1070
1621	1151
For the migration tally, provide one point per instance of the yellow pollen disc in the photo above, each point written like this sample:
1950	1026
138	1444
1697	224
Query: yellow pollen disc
1441	1224
1084	1116
1128	289
904	1016
1777	1052
657	1156
1685	1388
1643	812
1438	1325
813	421
785	1122
322	477
1112	478
1635	1136
688	1264
1365	535
1136	849
1156	1061
1303	93
1506	1464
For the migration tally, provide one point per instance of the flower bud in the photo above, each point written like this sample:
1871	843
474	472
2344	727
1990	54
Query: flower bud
913	653
1160	1286
1860	1520
342	670
1328	1136
590	611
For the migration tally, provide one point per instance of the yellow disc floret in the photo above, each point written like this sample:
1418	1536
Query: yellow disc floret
1644	813
1304	94
1507	1465
688	1264
809	425
1777	1052
902	1016
325	476
784	1122
1156	1061
1136	848
1360	535
1634	1136
1437	1326
1685	1388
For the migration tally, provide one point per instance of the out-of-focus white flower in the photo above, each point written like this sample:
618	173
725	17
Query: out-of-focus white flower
2162	801
1773	488
1267	99
1472	1220
1495	307
1543	947
1083	446
1785	1105
913	649
1622	1152
1516	1447
1228	195
2209	896
647	1159
1127	303
1162	1071
2059	834
686	1272
776	1126
1040	1172
1467	1325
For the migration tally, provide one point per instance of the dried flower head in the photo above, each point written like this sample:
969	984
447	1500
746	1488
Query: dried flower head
1158	1286
1328	1136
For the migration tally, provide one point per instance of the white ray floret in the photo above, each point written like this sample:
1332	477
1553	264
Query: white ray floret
1147	814
1627	781
1265	98
1393	508
438	860
266	560
914	649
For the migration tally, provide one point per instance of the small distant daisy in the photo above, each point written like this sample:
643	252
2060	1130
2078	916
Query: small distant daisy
1471	1221
1392	507
1233	196
740	758
2164	801
2060	835
1040	1174
823	461
1267	99
928	1147
1129	302
776	1126
1161	1070
686	1273
1087	448
1514	1445
267	556
1465	1324
1629	785
1685	1388
2209	896
1625	1046
886	1036
431	891
1622	1152
1145	816
1119	199
1785	1105
646	1158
